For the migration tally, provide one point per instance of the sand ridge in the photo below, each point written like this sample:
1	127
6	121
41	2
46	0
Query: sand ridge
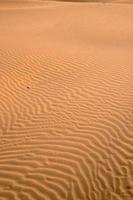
66	102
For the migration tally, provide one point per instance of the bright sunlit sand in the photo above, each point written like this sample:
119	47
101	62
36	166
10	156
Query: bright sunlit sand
66	100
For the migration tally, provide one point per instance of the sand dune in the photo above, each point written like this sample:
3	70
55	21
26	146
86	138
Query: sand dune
66	101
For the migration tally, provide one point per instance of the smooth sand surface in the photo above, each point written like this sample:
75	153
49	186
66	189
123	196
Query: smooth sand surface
66	101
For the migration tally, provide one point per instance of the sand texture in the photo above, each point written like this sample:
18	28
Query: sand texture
66	100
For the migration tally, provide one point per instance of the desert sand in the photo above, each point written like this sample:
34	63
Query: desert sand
66	100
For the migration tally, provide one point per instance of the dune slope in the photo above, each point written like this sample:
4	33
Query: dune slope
66	101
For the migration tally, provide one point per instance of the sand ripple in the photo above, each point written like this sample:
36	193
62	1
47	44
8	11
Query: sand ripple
66	103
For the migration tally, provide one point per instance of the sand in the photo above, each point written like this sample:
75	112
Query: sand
66	101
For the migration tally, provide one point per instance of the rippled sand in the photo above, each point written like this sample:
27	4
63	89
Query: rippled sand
66	100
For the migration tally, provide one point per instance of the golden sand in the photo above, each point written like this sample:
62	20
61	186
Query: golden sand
66	101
